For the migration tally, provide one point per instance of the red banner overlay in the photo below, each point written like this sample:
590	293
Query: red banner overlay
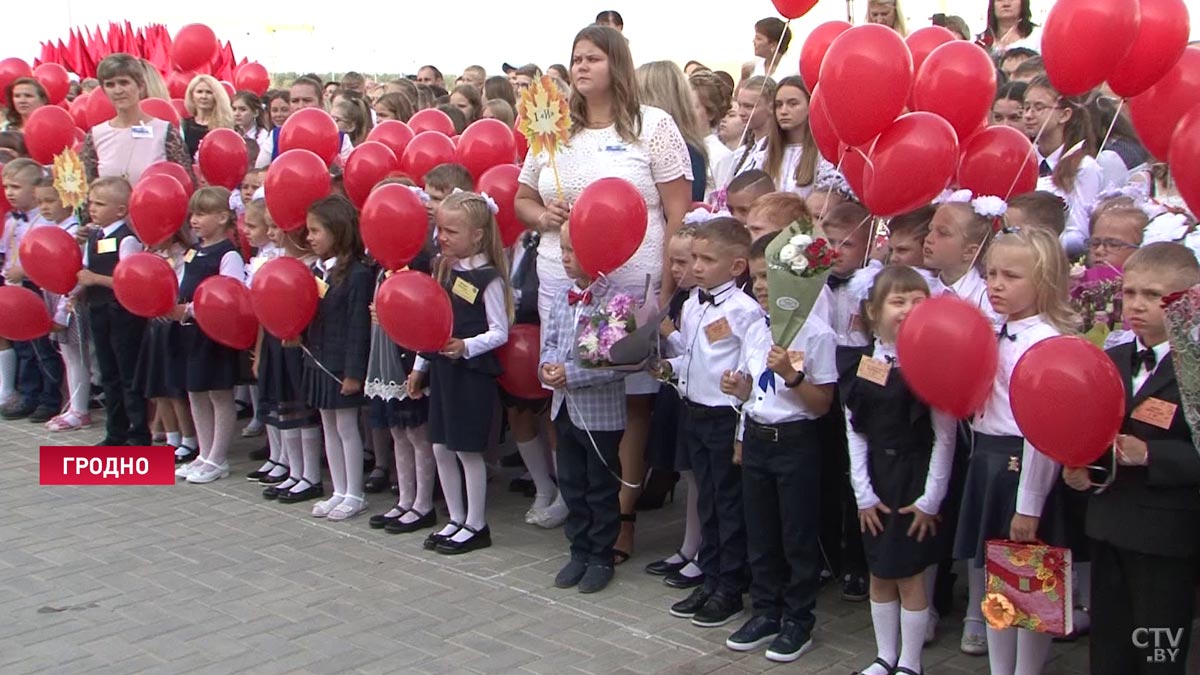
115	465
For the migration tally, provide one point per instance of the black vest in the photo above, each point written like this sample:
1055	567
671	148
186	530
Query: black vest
104	263
206	262
891	416
470	318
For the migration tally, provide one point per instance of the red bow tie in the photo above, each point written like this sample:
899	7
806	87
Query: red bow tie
574	297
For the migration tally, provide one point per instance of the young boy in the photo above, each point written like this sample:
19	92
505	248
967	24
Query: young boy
117	333
848	232
1037	209
1145	526
1116	235
819	202
906	237
744	189
443	179
786	391
716	317
774	211
588	407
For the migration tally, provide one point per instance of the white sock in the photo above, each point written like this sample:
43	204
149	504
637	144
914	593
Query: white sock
912	637
352	451
975	583
289	440
885	618
275	444
334	454
533	453
475	476
202	414
173	438
224	424
253	388
311	443
406	471
691	570
190	441
8	373
691	531
452	488
1002	650
79	386
426	469
1032	650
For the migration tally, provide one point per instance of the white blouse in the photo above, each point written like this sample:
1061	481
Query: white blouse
1089	181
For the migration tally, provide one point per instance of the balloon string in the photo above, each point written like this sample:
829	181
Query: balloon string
746	129
1029	153
577	415
1112	125
320	365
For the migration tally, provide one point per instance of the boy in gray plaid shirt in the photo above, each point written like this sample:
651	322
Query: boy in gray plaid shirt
588	410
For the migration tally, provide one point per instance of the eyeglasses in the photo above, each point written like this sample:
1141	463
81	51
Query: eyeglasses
1037	108
1109	243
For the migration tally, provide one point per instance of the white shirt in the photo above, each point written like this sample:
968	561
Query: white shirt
702	364
129	245
1038	472
725	170
718	155
781	404
14	232
785	66
792	154
268	252
1160	352
267	148
840	310
945	434
497	315
972	288
1089	182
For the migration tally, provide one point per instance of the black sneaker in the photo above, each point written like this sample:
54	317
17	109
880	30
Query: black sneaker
687	608
570	574
596	578
758	631
855	588
791	643
720	609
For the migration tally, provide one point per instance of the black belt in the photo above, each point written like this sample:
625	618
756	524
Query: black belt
702	412
774	433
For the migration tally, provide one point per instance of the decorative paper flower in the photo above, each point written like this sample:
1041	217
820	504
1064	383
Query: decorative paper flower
998	610
989	206
1021	557
545	117
69	179
1077	271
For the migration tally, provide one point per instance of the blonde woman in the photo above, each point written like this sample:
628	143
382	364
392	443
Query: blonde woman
156	87
887	13
208	104
662	84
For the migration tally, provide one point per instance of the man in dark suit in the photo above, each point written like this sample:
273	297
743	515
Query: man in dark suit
1145	525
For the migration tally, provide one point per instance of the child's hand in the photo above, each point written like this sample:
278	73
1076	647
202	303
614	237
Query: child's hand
415	384
87	277
1023	528
736	384
71	304
82	233
780	362
1077	478
923	525
554	374
666	328
179	313
351	386
1132	451
661	370
869	520
737	453
374	316
454	349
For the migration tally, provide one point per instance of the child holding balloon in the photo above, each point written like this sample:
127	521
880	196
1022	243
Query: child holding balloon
958	236
1009	492
462	377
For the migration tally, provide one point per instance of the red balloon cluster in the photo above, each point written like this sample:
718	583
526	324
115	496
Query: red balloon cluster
394	225
157	209
311	129
426	150
223	310
923	41
284	298
407	294
432	119
998	161
368	164
223	158
957	82
168	168
813	51
519	357
145	285
23	314
295	180
485	144
252	77
11	69
608	224
949	355
51	258
54	79
865	79
394	134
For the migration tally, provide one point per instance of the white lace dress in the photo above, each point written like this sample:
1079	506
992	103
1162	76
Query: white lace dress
659	156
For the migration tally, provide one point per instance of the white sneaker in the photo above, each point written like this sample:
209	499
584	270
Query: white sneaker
254	428
350	507
974	642
209	472
185	470
322	509
931	627
550	517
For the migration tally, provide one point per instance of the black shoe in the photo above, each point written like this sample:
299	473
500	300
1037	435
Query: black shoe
887	668
512	461
18	411
662	568
187	454
260	454
757	632
431	542
720	609
521	485
288	496
43	414
244	410
791	643
596	578
268	479
425	521
259	474
855	588
570	574
687	608
377	482
380	521
112	442
680	580
479	539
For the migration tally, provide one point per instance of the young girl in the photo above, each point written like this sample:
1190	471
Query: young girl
279	108
1009	485
792	155
353	117
900	455
463	375
754	103
250	119
211	369
955	247
339	342
466	98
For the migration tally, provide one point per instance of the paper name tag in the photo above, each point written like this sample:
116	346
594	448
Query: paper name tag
1155	412
106	245
322	287
797	359
189	256
141	131
874	371
717	330
465	290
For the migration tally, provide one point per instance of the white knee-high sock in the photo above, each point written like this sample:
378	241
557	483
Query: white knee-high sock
79	386
242	393
352	451
475	476
253	399
912	637
533	453
275	444
311	444
293	456
333	452
1032	650
452	488
202	415
691	531
885	619
406	471
975	582
1002	650
8	373
426	469
224	424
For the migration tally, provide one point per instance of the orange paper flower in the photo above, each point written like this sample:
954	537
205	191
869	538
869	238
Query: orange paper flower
545	116
998	610
69	179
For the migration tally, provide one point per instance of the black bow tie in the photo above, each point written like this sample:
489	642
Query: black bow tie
706	297
1044	169
1005	334
1145	358
19	215
835	283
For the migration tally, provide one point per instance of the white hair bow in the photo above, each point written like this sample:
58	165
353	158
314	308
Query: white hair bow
491	203
421	194
700	216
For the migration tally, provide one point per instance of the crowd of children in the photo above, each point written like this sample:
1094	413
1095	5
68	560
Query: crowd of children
801	462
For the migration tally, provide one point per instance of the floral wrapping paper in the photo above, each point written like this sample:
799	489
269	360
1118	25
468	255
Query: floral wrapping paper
1028	586
797	266
1183	331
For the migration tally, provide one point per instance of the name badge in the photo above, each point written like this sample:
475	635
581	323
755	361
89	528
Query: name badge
189	256
108	245
874	371
141	131
465	290
1155	412
613	148
322	287
717	330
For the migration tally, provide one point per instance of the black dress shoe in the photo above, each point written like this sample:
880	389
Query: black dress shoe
661	568
43	414
273	491
431	542
681	580
111	442
244	410
377	482
479	539
378	522
187	455
512	460
313	491
18	411
268	479
424	521
260	473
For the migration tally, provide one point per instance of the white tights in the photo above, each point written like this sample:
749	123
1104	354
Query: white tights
344	451
415	471
216	419
474	474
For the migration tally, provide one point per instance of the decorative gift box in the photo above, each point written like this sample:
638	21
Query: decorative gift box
1028	586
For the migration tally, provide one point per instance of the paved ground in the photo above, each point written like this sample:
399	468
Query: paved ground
214	579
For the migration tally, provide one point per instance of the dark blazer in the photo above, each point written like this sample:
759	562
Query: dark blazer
340	335
1153	509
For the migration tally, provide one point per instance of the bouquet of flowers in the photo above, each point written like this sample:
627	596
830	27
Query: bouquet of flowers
612	322
1097	298
1183	330
797	266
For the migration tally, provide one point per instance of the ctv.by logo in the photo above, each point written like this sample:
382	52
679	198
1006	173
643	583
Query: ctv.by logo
1163	644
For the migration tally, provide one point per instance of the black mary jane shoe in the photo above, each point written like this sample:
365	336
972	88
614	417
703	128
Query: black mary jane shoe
378	522
377	481
260	474
481	538
268	479
423	521
661	568
431	542
887	667
681	580
313	491
188	455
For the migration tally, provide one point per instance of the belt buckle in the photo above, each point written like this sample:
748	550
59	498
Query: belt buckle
769	433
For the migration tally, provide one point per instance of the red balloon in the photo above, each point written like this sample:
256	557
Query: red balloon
394	134
1185	158
284	297
866	77
162	109
949	355
145	284
1156	111
394	225
177	83
500	183
228	86
911	163
253	77
815	46
822	129
520	358
168	168
998	161
54	80
432	119
923	41
485	144
854	167
1068	368
958	82
223	158
1161	38
223	309
48	131
427	150
415	311
157	208
23	314
794	9
181	108
78	110
368	164
295	180
99	109
11	69
311	129
194	46
51	258
522	143
1083	41
608	224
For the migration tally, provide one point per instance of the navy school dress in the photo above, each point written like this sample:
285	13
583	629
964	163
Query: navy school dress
665	452
462	392
209	365
339	337
161	367
899	432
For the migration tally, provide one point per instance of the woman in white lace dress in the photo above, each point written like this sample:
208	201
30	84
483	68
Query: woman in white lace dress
611	135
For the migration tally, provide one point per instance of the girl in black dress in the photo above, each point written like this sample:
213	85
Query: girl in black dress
900	456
